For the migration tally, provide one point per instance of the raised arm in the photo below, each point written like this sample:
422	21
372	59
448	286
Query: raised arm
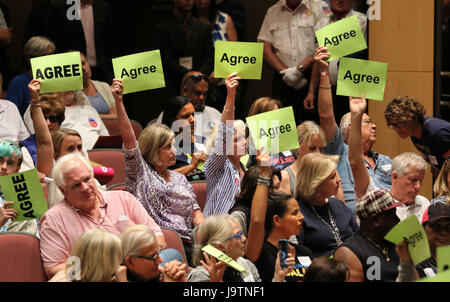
44	143
355	153
256	229
126	130
325	98
231	82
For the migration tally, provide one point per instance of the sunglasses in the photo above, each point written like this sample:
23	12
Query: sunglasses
238	235
150	258
196	78
52	118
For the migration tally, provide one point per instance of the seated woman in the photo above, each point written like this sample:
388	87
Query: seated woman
278	161
95	257
166	195
143	257
311	138
224	233
441	187
431	136
328	221
95	93
179	116
223	168
243	201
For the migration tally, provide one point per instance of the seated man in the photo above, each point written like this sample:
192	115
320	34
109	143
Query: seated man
83	208
194	86
408	170
10	162
378	165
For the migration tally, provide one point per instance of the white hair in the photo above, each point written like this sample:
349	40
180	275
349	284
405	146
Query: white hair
402	162
346	119
66	163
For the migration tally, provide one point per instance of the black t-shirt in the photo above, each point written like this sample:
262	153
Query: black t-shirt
269	253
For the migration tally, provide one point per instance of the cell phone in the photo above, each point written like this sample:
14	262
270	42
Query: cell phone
283	249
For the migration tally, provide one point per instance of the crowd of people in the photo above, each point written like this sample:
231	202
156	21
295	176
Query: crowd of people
333	199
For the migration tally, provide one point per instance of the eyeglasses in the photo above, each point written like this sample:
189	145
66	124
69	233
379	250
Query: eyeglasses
238	235
440	228
150	258
52	118
369	122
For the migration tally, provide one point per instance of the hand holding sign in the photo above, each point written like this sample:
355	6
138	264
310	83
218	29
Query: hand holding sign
7	213
214	268
117	89
34	87
358	105
232	82
321	57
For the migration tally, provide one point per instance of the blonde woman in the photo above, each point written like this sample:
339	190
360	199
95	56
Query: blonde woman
96	257
327	221
441	187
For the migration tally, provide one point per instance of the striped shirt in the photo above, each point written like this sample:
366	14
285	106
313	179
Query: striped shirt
222	177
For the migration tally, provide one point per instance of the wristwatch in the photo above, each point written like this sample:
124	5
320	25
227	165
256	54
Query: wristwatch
300	69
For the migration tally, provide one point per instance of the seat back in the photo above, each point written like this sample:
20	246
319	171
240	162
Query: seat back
113	126
20	258
173	240
112	158
199	188
117	187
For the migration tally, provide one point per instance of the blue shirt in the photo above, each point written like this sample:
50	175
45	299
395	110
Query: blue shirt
223	180
380	174
99	103
18	92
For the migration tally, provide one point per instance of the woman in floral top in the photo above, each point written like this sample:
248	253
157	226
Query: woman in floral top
166	195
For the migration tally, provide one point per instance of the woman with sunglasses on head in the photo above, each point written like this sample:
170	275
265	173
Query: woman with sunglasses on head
441	187
431	136
166	195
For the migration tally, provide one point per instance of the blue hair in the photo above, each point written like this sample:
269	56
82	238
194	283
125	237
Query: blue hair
8	148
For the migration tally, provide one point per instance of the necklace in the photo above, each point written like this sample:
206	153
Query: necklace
384	250
333	227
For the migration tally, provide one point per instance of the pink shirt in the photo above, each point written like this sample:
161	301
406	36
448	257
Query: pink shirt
63	224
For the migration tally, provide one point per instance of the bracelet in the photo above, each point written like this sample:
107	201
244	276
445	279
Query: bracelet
325	87
228	110
263	181
324	73
34	102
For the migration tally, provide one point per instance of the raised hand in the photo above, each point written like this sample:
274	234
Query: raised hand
358	105
34	87
214	268
263	160
232	82
117	88
319	57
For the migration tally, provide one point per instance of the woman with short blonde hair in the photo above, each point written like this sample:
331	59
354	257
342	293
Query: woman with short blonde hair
328	221
441	187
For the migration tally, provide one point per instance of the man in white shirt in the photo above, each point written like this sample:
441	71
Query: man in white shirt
194	86
289	44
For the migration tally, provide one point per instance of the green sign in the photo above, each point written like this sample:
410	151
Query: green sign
60	72
221	256
342	38
275	131
443	258
356	77
25	190
411	230
141	71
245	58
440	277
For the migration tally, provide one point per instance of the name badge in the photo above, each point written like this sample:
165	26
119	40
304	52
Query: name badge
304	260
186	62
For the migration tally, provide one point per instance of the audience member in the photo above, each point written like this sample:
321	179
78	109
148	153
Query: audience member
224	233
431	136
143	257
290	52
282	220
6	38
407	171
166	195
179	116
185	43
324	269
340	9
89	30
10	161
95	93
376	212
83	208
280	160
95	257
378	165
18	87
441	187
328	222
238	12
223	168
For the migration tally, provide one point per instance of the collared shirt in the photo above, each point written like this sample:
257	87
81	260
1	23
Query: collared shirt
223	180
63	224
171	203
12	126
380	174
292	31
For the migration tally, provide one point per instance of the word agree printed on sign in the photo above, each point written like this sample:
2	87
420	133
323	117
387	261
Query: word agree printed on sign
356	77
139	72
245	58
60	72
